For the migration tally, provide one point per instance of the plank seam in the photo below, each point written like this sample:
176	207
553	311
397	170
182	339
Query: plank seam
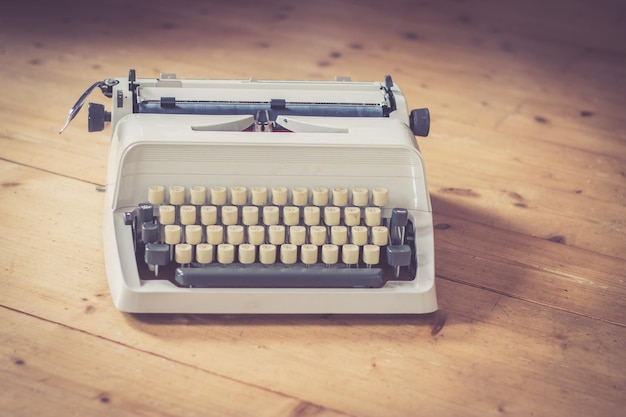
50	172
178	362
516	297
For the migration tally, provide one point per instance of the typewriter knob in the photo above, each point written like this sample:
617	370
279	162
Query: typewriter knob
419	120
96	117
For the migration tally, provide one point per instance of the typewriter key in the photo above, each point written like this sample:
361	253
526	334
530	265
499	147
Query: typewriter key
177	195
350	254
339	235
204	253
267	254
330	254
167	214
218	195
247	253
297	235
193	234
156	194
256	235
360	196
183	253
208	215
358	235
291	215
225	253
234	234
288	254
197	195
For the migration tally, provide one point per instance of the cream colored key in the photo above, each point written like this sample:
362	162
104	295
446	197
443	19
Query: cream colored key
308	254
299	196
197	195
172	234
156	194
340	196
193	234
238	195
350	254
332	215
291	215
372	216
352	216
256	235
188	215
230	215
358	235
208	215
297	235
338	235
380	235
360	196
267	254
250	215
280	195
259	196
177	195
311	215
317	235
215	234
167	214
371	254
204	253
218	195
380	196
276	234
288	254
247	253
320	196
225	253
270	215
330	254
234	234
183	253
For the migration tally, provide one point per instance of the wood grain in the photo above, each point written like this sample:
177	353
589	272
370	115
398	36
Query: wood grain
527	172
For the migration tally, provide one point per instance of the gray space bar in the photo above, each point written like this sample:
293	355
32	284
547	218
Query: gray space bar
278	276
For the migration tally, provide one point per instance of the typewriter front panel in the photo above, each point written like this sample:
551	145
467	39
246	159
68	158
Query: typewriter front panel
344	224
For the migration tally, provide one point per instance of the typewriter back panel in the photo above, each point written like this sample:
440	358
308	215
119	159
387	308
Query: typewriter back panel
147	150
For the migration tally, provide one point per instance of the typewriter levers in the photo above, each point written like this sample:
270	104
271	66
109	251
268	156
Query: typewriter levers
247	196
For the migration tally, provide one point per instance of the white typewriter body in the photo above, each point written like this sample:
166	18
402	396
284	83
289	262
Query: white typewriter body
153	145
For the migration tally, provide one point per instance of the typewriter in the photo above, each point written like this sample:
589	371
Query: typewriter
271	197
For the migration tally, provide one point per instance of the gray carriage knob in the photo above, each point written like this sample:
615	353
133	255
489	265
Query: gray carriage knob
419	120
96	117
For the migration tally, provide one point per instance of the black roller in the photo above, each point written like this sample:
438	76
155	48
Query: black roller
168	106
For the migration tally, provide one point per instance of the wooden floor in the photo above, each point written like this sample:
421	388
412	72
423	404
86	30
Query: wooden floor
527	172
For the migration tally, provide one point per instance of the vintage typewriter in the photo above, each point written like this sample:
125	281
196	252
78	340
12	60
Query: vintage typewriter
254	196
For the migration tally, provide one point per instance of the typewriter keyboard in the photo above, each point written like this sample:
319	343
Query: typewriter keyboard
272	237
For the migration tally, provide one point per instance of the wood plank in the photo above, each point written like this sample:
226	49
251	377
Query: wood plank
50	369
542	271
486	338
516	183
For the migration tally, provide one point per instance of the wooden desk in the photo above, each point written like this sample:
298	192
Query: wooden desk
526	164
